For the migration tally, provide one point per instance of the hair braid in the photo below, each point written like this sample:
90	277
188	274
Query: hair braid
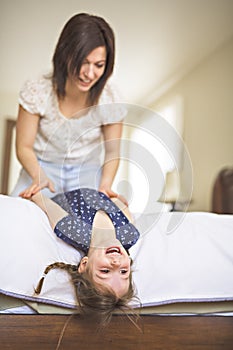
57	265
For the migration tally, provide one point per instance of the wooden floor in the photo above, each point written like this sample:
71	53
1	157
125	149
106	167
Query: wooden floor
32	332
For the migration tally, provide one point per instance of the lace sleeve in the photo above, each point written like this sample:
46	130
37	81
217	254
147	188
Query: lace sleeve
33	96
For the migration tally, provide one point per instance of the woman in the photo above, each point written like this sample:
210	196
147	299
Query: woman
61	118
101	229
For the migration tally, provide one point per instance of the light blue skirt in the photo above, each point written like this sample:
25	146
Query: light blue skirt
66	177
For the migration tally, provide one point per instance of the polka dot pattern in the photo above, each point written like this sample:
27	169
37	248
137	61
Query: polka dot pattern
82	205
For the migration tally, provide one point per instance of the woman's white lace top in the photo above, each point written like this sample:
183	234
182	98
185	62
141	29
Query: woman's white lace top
69	140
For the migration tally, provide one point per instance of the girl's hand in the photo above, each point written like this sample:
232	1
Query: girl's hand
37	186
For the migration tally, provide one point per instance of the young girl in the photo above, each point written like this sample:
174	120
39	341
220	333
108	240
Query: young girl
101	228
64	116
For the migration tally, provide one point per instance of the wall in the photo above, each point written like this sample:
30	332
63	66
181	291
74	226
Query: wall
207	93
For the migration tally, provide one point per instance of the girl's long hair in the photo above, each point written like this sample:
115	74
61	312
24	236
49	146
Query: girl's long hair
94	302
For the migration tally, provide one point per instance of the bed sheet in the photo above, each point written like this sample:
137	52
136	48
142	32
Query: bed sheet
10	305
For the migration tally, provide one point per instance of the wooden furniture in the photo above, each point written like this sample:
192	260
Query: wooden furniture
222	198
9	127
41	332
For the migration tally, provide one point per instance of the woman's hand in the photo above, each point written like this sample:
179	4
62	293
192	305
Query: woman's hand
111	194
37	186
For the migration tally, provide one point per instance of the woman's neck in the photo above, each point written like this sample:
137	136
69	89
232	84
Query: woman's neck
74	103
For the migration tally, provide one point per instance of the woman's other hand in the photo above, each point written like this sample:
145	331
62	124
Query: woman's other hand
111	194
37	186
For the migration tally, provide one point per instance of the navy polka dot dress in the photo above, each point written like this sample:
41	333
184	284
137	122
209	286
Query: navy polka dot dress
82	205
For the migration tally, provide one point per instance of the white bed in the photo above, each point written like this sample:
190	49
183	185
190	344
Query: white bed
181	259
181	275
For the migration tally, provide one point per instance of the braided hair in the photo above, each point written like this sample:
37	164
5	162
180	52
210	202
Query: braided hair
57	265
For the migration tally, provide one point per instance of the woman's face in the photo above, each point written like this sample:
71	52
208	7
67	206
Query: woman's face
109	266
92	69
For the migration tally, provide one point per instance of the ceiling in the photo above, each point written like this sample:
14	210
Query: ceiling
157	41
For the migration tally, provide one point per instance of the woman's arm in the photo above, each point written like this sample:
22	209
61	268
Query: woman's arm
26	130
112	137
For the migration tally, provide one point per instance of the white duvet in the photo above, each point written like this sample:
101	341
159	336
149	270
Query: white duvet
193	262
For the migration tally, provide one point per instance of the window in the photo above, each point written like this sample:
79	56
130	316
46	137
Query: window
153	148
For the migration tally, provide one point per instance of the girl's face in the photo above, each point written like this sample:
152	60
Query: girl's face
109	266
91	70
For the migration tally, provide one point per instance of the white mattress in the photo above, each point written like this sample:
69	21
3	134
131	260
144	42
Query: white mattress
180	257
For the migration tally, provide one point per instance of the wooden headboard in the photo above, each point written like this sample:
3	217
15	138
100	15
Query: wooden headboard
7	148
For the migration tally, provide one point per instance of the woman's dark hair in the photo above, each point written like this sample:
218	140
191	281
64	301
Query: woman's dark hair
81	35
96	302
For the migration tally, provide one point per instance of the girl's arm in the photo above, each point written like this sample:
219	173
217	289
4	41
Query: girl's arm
26	131
54	212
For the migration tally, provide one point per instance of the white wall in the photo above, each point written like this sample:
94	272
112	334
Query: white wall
29	30
207	94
